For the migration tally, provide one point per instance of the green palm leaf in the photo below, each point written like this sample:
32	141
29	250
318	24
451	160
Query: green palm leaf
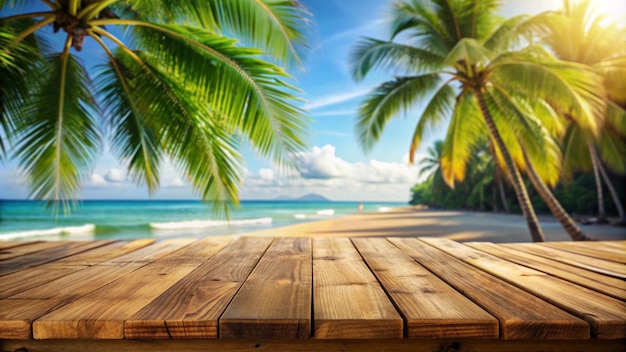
59	138
465	131
438	109
372	53
128	93
386	101
235	85
274	25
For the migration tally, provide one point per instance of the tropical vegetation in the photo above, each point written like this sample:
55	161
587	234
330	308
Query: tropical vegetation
577	195
486	79
185	81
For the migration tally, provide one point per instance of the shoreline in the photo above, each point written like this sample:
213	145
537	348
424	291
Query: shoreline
455	225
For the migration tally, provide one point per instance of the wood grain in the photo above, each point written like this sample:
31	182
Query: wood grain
521	315
430	307
25	249
101	313
191	308
604	267
313	345
48	255
32	277
349	303
590	279
592	251
275	300
53	293
606	315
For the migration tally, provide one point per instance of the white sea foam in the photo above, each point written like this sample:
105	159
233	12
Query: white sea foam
384	209
300	216
200	224
56	231
327	212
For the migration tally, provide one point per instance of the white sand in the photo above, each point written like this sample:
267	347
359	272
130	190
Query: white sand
456	225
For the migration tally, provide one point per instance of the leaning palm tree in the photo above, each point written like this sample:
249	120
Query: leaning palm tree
579	34
172	83
462	62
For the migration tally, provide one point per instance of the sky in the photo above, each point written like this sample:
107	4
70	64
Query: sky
333	164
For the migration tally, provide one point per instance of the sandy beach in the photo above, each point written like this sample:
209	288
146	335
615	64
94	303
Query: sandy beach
455	225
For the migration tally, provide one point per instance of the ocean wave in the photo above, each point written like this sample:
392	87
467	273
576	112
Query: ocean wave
56	231
384	209
300	216
326	212
200	224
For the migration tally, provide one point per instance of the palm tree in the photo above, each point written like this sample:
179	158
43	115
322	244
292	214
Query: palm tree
466	64
577	33
430	166
178	87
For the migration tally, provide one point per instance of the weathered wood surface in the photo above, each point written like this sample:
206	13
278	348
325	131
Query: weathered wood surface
242	292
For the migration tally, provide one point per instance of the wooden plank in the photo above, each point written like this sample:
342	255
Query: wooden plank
17	320
592	280
101	314
105	253
191	308
275	300
27	248
49	255
606	315
313	345
82	282
430	307
11	244
32	277
521	315
582	248
598	265
349	303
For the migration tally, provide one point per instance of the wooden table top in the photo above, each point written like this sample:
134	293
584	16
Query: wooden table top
320	289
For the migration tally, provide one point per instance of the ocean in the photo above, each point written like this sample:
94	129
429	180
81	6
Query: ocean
107	219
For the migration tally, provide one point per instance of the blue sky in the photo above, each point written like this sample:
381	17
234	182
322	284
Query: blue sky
333	164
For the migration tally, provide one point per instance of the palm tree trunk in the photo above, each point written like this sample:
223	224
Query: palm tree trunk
596	175
555	207
505	205
612	191
609	185
516	179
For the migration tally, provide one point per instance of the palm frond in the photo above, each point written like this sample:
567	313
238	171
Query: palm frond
420	20
128	97
524	132
612	148
244	91
59	137
468	51
438	109
569	87
280	28
465	130
371	53
509	34
386	101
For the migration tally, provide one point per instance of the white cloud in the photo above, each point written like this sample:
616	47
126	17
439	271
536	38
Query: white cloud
97	180
115	175
322	171
177	182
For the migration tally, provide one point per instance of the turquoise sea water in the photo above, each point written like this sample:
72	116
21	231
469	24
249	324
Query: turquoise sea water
29	220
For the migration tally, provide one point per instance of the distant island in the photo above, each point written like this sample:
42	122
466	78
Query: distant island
311	197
